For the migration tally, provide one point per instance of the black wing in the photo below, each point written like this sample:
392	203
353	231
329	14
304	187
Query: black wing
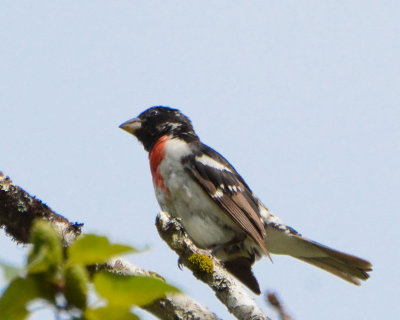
226	187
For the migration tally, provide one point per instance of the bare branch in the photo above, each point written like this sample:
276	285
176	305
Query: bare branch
18	209
226	288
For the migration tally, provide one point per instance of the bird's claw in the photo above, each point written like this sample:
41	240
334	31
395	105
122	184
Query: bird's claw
180	264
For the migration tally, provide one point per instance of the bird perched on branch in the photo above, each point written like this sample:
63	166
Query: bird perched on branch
217	208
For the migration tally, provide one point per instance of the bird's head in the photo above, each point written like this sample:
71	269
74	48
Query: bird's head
156	122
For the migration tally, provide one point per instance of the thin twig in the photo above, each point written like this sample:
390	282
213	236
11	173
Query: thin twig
277	305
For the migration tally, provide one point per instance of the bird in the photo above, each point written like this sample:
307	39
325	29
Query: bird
216	207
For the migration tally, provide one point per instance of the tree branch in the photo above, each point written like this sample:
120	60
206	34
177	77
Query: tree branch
173	306
18	209
226	288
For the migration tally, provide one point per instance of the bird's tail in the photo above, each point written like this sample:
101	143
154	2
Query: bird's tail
285	240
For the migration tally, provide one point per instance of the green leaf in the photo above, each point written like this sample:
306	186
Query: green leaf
115	313
23	290
16	296
125	291
39	260
46	253
10	272
91	249
76	285
47	288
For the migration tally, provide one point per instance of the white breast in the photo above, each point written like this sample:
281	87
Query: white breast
205	222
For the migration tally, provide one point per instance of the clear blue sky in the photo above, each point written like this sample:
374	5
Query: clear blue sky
302	98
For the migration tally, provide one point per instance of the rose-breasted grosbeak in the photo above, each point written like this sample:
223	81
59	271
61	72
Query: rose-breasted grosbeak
217	208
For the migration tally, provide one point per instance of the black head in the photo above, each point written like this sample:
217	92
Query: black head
156	122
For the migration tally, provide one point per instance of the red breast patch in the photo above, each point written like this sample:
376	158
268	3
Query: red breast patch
156	155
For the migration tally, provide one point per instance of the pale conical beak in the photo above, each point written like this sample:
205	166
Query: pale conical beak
131	125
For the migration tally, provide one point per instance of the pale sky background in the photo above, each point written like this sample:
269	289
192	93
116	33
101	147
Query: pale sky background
301	96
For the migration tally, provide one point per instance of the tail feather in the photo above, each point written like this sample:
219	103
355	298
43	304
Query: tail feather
342	265
348	273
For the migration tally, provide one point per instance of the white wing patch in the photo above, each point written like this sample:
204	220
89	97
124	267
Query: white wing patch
208	161
218	194
235	189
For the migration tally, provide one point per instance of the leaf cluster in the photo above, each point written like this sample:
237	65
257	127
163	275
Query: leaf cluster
61	279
